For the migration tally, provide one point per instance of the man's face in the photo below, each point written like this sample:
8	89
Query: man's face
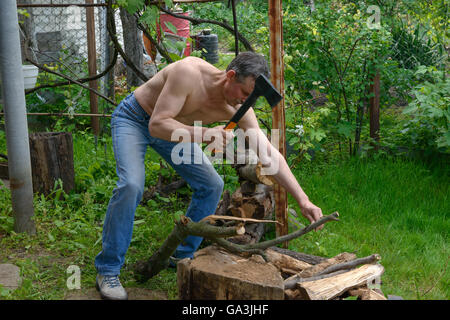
237	91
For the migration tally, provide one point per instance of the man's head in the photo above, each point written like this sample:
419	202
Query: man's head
249	64
241	74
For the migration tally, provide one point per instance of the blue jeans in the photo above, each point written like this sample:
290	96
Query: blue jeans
130	136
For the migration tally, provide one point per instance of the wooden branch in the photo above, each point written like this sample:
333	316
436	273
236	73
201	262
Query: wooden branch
351	264
316	269
111	27
64	83
223	24
184	227
214	218
261	246
72	80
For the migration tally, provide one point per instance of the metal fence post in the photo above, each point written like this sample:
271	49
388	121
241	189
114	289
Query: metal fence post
16	126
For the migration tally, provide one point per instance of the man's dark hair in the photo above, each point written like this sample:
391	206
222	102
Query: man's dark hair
249	64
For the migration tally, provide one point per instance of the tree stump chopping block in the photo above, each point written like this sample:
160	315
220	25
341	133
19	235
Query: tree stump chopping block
215	274
51	159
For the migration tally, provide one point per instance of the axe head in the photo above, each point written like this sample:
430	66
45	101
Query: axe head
266	89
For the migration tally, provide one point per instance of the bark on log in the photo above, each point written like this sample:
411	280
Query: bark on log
282	261
290	282
308	258
160	259
252	172
329	288
51	159
215	274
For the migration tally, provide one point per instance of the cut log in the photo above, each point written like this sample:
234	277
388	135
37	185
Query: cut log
252	172
329	288
51	159
283	261
366	294
215	274
308	258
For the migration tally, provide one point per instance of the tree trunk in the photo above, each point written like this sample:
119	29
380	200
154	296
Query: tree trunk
133	46
27	38
51	159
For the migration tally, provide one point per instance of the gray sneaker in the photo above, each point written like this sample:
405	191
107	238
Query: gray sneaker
110	288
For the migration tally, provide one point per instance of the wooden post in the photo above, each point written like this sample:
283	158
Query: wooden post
374	109
92	65
278	122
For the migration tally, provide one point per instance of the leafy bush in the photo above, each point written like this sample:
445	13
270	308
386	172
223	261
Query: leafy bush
428	127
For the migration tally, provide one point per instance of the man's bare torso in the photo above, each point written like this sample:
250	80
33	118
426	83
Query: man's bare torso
204	103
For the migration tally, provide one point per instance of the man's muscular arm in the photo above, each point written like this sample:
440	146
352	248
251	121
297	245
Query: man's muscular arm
283	176
169	104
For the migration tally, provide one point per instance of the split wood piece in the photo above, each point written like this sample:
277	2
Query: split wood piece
291	282
215	274
286	263
308	258
329	288
214	217
316	269
366	294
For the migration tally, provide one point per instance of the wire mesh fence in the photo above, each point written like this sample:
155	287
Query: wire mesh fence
57	35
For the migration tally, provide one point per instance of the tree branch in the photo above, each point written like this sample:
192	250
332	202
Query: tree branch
184	227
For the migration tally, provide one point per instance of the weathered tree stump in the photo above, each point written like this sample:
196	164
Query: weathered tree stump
51	159
216	274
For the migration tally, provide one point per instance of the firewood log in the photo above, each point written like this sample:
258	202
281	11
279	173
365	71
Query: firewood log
331	287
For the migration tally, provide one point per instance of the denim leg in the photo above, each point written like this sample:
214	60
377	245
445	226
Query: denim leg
130	142
204	180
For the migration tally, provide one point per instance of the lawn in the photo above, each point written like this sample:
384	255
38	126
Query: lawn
395	207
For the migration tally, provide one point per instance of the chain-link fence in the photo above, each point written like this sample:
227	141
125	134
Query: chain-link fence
56	33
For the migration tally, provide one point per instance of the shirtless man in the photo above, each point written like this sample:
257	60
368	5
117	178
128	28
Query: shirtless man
185	91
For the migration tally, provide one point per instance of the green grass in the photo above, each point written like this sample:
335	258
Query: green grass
393	207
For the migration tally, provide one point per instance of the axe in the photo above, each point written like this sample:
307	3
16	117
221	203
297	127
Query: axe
263	87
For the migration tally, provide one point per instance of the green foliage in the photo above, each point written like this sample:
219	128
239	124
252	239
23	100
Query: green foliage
411	48
430	111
